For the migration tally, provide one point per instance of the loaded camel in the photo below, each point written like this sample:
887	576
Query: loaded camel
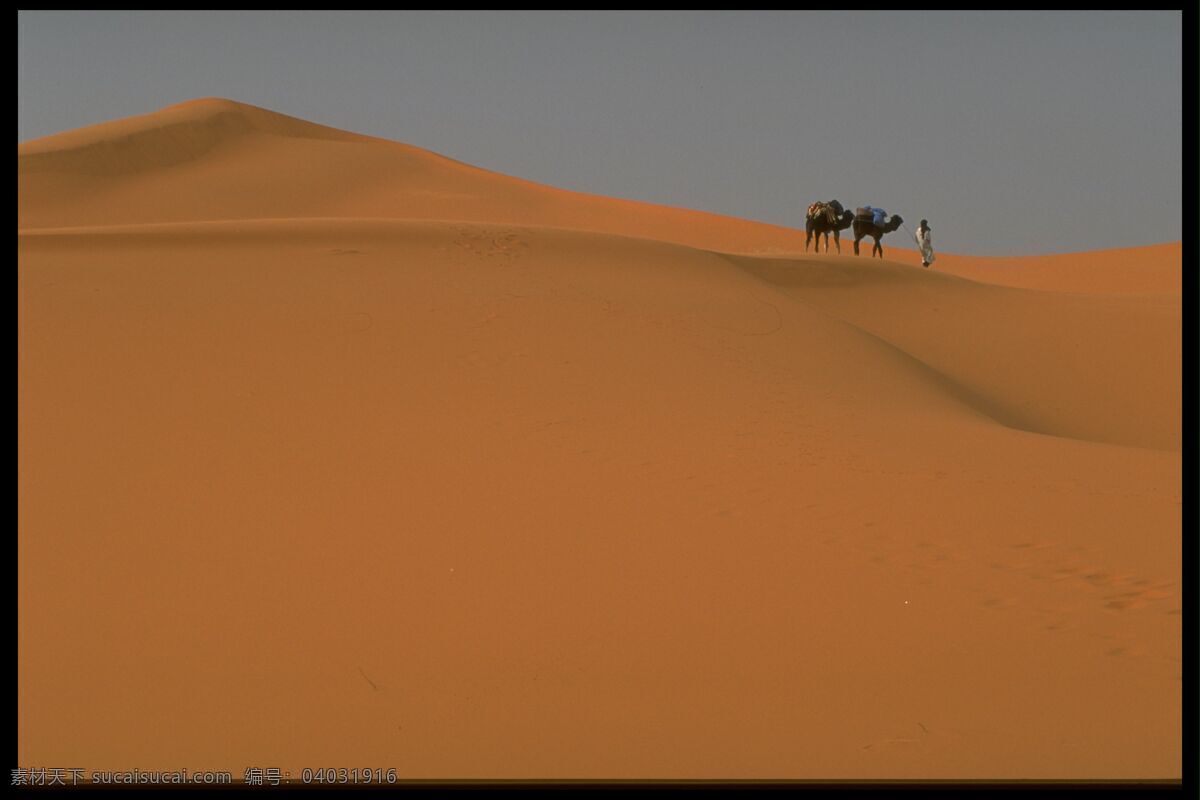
864	225
826	218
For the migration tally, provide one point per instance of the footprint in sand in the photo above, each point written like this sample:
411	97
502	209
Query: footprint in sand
920	736
359	322
1129	651
1101	578
1137	599
1120	602
1033	546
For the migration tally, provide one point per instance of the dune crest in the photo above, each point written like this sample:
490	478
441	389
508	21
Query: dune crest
1150	269
170	136
218	159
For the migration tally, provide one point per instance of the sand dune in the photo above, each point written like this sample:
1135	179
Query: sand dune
220	160
1027	358
337	452
1156	269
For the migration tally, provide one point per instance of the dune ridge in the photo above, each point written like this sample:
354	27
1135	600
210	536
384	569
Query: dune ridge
1052	397
229	160
234	161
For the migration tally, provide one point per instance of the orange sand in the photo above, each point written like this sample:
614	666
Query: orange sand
336	453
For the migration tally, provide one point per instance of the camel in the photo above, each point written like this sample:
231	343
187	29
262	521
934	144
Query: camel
866	227
831	217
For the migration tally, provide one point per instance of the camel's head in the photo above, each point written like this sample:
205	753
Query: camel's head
895	223
837	207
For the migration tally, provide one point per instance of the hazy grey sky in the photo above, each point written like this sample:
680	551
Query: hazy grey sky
1012	132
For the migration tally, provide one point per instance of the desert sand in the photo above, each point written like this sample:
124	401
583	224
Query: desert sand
334	452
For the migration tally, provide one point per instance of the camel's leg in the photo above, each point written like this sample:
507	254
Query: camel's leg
807	240
878	248
856	241
836	240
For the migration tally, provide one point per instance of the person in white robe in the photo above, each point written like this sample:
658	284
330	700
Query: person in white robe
924	237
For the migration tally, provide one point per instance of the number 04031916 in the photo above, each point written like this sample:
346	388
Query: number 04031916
343	775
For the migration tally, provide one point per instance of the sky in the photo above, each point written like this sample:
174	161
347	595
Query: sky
1013	133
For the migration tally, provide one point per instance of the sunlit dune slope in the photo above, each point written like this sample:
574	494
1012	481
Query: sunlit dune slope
1152	269
1102	368
221	160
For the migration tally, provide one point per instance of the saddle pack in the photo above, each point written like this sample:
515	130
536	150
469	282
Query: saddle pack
868	214
818	210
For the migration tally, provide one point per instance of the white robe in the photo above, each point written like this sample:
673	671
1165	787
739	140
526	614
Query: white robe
926	244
